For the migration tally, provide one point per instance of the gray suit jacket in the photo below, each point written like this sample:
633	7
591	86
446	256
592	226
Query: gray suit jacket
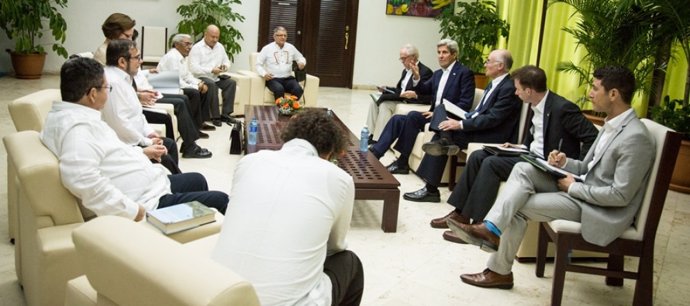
614	188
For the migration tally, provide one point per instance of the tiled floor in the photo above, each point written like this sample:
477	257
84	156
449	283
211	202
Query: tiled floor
414	266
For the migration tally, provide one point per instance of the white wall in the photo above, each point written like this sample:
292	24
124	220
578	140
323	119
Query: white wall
379	36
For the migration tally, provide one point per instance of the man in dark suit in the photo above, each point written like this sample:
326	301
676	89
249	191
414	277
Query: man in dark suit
555	124
495	119
381	110
605	203
453	82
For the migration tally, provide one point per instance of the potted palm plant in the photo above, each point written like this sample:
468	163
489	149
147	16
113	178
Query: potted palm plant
475	26
197	15
25	21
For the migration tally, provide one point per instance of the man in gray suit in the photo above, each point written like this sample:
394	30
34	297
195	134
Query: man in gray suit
604	202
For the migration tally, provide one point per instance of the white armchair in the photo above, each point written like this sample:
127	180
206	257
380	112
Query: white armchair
260	94
119	259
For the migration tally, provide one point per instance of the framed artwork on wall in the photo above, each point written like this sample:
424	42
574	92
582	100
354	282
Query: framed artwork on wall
419	8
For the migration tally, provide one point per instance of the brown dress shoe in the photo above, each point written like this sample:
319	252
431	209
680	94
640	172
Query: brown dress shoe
443	221
450	236
489	279
476	234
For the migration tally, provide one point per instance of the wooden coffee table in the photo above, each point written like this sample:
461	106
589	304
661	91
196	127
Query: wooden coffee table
372	180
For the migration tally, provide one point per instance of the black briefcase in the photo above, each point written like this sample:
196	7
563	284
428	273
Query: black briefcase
237	138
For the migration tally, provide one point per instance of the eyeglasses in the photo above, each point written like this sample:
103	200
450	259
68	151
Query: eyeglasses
402	59
490	61
138	57
109	87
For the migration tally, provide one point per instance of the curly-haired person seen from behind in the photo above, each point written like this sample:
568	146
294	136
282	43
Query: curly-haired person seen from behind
285	230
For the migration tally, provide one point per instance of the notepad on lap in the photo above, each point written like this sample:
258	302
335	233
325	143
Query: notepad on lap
454	109
503	151
544	166
180	217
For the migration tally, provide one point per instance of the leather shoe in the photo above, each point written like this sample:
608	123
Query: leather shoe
206	127
217	122
476	234
443	221
440	147
197	152
423	195
394	168
489	279
228	119
450	236
203	135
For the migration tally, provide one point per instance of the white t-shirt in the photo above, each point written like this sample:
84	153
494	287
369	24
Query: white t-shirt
289	208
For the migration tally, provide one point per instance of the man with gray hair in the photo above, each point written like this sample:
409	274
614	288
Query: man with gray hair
381	110
274	64
176	60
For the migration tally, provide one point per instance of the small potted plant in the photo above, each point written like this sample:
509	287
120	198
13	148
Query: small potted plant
197	15
474	26
288	105
25	21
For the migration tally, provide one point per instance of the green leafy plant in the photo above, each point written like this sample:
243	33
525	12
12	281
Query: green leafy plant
25	21
197	15
612	35
674	114
476	26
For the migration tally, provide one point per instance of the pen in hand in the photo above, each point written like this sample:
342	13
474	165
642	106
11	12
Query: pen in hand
560	143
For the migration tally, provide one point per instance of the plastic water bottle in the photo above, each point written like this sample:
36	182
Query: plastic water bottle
253	130
364	139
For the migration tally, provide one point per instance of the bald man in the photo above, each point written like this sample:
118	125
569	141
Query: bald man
208	61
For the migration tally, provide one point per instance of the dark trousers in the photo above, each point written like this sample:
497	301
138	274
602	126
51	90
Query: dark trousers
347	277
170	160
431	168
404	128
280	86
477	189
187	187
209	100
194	97
185	125
158	118
228	87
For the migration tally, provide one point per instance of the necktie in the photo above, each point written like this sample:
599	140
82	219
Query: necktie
481	103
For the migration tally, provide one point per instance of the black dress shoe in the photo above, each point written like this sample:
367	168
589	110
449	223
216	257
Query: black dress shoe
203	135
440	147
371	140
395	168
227	119
206	127
423	195
197	152
217	122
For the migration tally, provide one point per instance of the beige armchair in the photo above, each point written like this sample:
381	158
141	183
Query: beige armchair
260	94
242	93
425	136
47	213
125	264
28	113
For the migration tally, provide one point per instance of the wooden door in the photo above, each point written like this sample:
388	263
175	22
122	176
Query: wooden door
323	30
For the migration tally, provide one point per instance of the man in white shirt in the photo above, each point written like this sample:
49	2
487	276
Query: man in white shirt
290	242
124	112
207	61
176	60
274	64
109	176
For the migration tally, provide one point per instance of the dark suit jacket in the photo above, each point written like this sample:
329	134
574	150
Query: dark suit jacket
564	120
459	88
424	74
498	121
